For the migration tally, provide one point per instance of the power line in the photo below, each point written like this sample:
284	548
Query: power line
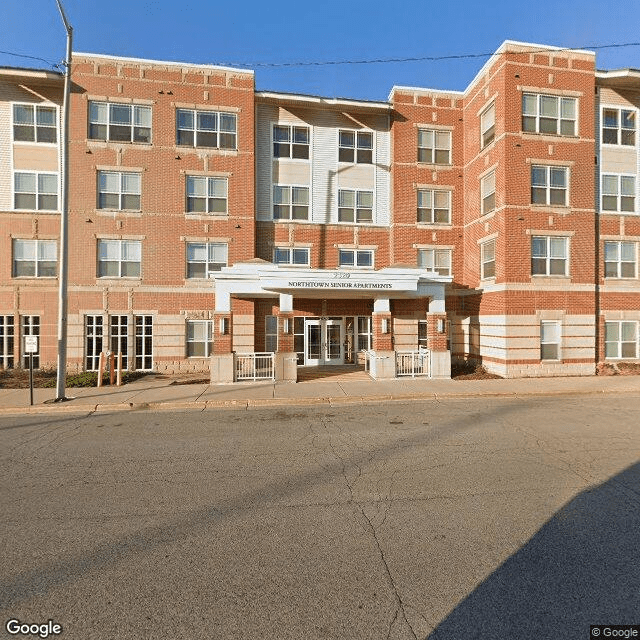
23	55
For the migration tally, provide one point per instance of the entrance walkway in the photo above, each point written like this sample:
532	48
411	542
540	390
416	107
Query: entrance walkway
334	372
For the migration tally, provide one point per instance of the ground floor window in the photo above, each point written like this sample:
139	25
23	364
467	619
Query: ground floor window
119	338
364	333
30	327
144	343
550	340
94	336
422	334
7	336
621	339
271	334
199	338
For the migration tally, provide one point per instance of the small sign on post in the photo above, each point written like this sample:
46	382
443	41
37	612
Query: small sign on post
31	347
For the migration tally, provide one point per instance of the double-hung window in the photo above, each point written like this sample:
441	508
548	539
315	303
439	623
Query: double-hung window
114	122
549	256
290	203
7	342
119	190
199	338
548	114
207	195
488	188
621	339
619	126
355	146
434	147
620	259
35	123
550	340
119	258
35	191
355	206
488	125
35	258
290	141
618	193
488	259
438	260
434	206
549	185
296	256
211	129
271	333
355	258
204	259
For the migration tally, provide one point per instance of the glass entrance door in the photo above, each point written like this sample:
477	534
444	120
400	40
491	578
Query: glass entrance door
324	341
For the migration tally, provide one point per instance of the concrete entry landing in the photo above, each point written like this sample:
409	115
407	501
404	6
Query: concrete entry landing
334	372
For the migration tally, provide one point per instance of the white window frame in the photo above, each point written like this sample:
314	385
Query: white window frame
7	341
39	249
360	151
619	348
271	334
143	345
212	191
488	125
292	208
38	192
213	264
622	200
488	192
123	247
546	255
550	336
359	211
620	131
36	127
435	259
94	341
546	186
488	259
294	145
535	121
620	259
357	255
291	256
428	212
226	139
431	145
199	332
119	337
124	191
139	116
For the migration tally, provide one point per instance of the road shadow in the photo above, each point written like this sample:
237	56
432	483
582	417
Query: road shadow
581	568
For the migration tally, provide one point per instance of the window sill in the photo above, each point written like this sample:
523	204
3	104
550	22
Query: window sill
34	278
434	225
111	213
433	165
100	143
552	137
34	142
560	209
619	213
46	212
185	148
206	216
116	279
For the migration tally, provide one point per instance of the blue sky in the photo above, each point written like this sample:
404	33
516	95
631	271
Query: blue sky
251	32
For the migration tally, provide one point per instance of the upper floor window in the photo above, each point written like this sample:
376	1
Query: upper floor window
434	147
355	206
35	191
298	256
206	195
618	193
119	190
619	259
290	141
119	258
355	146
119	122
549	185
488	125
355	258
619	126
548	114
488	188
210	129
290	203
205	258
488	259
35	123
438	260
549	256
434	206
35	258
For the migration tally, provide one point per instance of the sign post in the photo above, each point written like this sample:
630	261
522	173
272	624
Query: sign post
31	347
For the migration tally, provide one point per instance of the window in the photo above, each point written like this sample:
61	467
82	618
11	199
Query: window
549	256
120	338
550	340
210	129
488	125
94	332
619	259
618	193
355	206
488	259
488	188
434	147
144	343
290	141
119	190
621	339
355	146
549	185
119	258
438	260
30	327
619	127
291	255
290	203
119	122
205	258
35	191
206	195
199	338
355	258
548	114
422	334
7	336
434	206
34	123
35	258
271	333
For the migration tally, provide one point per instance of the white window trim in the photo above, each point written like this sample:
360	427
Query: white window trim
619	341
291	126
355	208
120	260
195	129
355	253
434	148
618	210
291	250
547	257
208	273
619	108
547	203
36	174
558	324
434	251
356	133
48	105
36	261
619	262
484	129
483	182
208	344
120	192
485	243
291	187
432	209
559	98
108	124
206	212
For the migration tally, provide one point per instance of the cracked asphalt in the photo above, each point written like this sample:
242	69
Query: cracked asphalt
462	518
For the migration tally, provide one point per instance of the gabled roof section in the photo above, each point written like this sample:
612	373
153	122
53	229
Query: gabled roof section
619	78
309	101
25	74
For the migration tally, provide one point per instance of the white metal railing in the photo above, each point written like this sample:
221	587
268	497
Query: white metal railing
413	363
254	366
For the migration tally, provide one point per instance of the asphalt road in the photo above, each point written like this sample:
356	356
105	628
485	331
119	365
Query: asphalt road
483	518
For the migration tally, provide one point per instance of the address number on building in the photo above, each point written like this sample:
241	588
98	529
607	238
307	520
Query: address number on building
31	344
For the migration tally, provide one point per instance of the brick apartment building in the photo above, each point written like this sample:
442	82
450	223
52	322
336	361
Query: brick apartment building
499	224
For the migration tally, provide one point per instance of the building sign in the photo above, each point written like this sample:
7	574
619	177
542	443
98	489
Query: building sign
336	284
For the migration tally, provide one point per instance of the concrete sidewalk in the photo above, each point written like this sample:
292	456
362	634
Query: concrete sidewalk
155	393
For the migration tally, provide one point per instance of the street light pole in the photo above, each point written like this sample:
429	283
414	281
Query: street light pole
64	219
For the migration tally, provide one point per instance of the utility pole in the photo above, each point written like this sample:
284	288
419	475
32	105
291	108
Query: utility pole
64	220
